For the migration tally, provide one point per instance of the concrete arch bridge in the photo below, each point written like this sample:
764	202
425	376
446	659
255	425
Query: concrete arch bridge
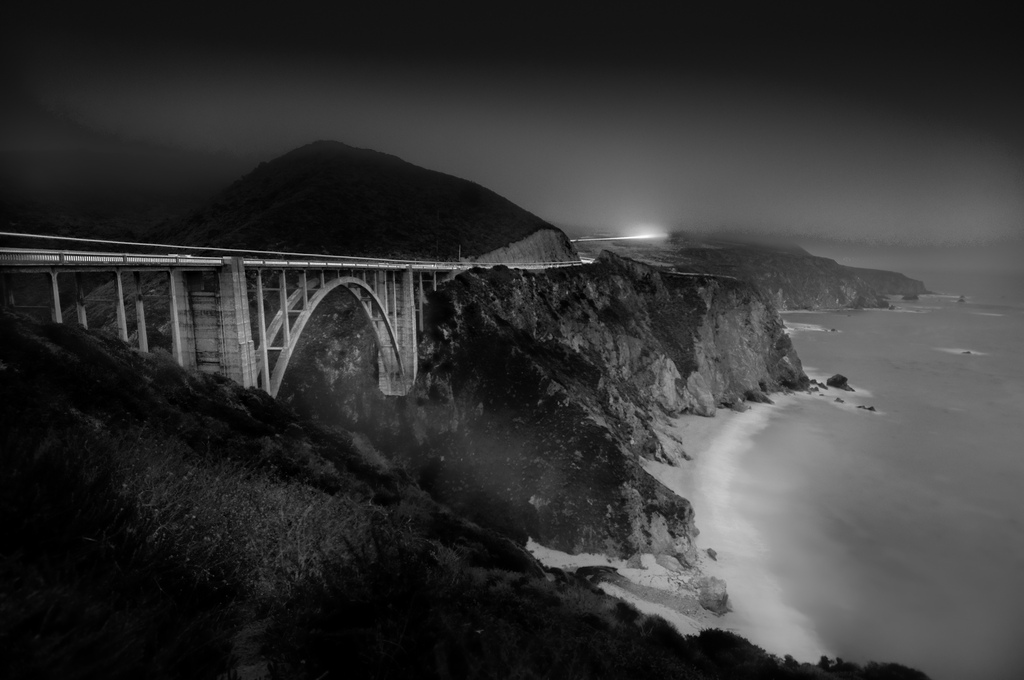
242	315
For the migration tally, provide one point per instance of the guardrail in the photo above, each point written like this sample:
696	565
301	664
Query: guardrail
56	258
23	257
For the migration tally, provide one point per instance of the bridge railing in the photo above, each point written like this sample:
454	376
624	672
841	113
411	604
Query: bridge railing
55	258
25	257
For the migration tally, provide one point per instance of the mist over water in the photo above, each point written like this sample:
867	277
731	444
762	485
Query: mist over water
900	534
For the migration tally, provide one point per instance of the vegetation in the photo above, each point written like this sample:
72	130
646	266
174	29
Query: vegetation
164	525
327	197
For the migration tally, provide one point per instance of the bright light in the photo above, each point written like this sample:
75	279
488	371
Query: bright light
618	238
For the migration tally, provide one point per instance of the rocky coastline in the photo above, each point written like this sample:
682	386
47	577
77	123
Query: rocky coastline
539	394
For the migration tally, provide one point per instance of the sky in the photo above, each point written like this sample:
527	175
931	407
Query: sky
840	120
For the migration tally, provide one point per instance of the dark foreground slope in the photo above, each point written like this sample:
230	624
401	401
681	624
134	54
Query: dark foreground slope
164	525
794	278
327	197
540	394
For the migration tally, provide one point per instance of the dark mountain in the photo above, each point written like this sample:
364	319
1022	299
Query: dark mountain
794	278
327	197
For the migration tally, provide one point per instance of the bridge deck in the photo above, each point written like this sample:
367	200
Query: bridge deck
31	260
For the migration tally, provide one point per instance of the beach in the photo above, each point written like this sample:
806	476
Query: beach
714	481
726	499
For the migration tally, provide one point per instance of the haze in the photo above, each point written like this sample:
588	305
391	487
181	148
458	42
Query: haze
894	127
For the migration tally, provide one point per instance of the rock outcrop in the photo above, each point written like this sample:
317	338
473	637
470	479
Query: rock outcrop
839	381
537	394
711	594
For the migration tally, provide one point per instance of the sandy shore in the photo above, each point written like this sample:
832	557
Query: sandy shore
714	481
709	453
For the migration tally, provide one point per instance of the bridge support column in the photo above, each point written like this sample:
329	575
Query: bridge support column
183	346
55	312
419	301
122	321
403	298
237	349
262	326
140	313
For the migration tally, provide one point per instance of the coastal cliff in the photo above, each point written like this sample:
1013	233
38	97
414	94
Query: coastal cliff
793	277
890	283
538	392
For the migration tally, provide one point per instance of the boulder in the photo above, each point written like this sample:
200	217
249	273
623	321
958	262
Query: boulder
839	401
756	395
712	554
867	408
669	562
711	594
839	381
596	573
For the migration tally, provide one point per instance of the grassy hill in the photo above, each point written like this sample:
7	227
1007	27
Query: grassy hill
327	197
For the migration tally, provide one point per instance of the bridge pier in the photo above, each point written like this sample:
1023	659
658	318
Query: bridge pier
140	313
210	329
183	336
238	351
397	378
122	320
56	314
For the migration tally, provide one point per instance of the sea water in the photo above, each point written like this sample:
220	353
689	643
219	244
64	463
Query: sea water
898	535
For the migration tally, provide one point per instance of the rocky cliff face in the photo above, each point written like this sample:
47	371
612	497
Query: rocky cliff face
538	391
545	245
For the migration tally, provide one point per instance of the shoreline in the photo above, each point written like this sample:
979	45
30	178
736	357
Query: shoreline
709	455
714	482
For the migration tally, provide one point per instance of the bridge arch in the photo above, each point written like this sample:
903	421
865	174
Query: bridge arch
389	356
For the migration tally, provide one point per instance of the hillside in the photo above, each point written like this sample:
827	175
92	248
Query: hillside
794	278
160	524
327	197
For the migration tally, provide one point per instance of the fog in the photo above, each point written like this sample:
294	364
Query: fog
993	270
816	124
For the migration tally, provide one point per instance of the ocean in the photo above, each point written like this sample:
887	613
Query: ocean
895	535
